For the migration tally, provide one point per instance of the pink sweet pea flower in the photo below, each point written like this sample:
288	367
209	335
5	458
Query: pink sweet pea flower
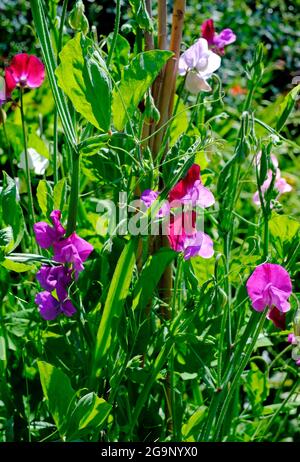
217	41
183	237
190	190
270	286
292	339
280	184
198	63
149	196
26	71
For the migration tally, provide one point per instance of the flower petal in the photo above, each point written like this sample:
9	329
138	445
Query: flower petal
35	72
49	307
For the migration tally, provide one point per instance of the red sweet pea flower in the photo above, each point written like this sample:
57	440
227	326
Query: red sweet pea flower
26	71
190	190
208	31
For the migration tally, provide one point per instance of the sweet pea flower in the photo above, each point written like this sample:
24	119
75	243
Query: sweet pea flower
183	237
190	190
198	63
280	184
292	339
7	84
37	163
270	286
47	235
55	278
73	250
149	196
217	41
50	307
25	71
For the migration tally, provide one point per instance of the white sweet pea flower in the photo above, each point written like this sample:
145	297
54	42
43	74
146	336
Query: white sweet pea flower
37	162
199	63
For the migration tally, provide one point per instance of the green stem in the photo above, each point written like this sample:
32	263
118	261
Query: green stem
74	195
27	170
116	31
266	236
55	148
61	27
158	364
237	376
55	135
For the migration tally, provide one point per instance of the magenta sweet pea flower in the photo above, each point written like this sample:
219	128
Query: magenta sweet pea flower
50	307
47	235
26	71
270	286
149	196
217	41
55	278
73	250
198	63
183	237
190	190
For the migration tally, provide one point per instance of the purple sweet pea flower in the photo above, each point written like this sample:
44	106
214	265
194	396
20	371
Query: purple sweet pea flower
73	250
50	307
47	235
226	37
149	196
217	41
270	286
55	278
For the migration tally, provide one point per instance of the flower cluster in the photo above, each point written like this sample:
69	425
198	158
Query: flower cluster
280	184
202	59
181	228
24	71
71	252
270	286
217	41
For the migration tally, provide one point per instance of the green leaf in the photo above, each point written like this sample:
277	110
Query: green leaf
98	85
12	214
115	299
150	276
58	392
192	426
16	266
44	196
6	236
90	412
88	84
60	194
138	77
286	107
121	50
283	227
256	388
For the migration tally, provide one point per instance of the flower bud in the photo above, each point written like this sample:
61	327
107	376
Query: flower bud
2	116
77	19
